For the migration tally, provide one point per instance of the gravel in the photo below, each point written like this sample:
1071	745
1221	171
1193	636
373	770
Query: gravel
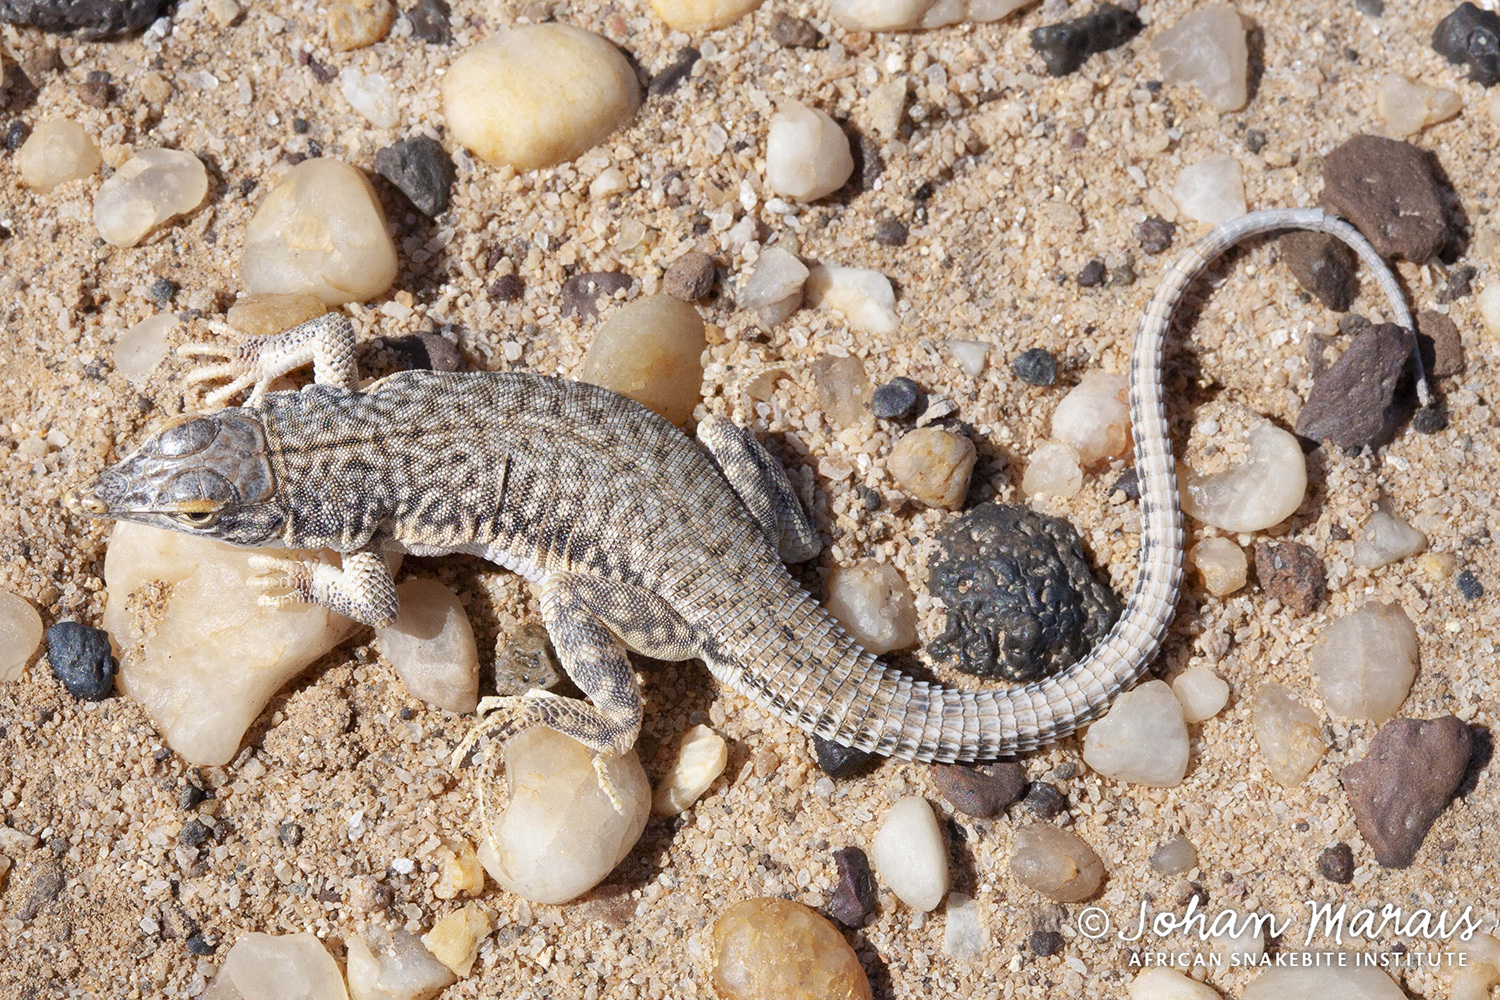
689	277
580	293
980	790
1092	275
670	77
794	32
890	232
90	19
82	659
896	400
839	761
1404	782
1389	190
1155	234
429	22
1469	585
1064	47
1442	347
1291	573
1036	367
422	170
854	897
1336	864
1323	265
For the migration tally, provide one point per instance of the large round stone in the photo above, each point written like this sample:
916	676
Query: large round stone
775	949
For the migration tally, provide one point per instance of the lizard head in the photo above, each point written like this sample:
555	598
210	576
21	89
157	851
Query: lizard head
202	474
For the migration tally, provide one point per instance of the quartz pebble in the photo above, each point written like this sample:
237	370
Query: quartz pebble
1207	48
702	15
1404	783
1386	539
1345	980
700	760
174	653
905	15
863	297
1480	970
774	289
964	936
970	355
273	312
353	24
454	940
776	949
843	389
139	349
1202	692
1056	863
393	965
372	95
1221	564
1288	733
872	601
20	635
1142	739
934	466
538	94
1359	400
1489	309
55	153
276	967
1176	856
909	854
559	834
1094	417
1053	470
1168	984
651	350
1262	491
807	154
461	873
1211	190
321	231
431	645
145	192
1408	106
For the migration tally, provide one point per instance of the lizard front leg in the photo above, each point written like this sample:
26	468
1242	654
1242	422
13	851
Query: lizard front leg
363	589
327	343
763	487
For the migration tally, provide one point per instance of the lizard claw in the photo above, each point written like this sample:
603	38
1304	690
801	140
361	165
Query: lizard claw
291	576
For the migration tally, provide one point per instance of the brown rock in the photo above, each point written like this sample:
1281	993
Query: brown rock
1442	347
1323	265
794	32
980	790
1292	573
1361	399
689	277
854	898
775	949
1388	189
581	293
1412	770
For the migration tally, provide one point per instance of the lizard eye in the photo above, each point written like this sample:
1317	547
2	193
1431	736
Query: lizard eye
199	518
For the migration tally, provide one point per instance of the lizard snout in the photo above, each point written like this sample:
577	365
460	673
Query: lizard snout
85	502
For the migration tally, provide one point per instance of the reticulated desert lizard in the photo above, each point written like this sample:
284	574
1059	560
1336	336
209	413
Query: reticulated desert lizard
635	537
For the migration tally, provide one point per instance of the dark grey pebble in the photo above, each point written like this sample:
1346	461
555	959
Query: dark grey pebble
1322	264
839	761
198	945
1044	943
1124	275
429	22
1353	323
794	32
1362	399
1336	864
97	90
890	232
1092	274
854	898
422	170
1471	35
1374	8
506	288
189	797
1430	419
428	351
896	399
1129	483
163	291
1044	799
1255	140
1035	367
980	790
1469	585
82	659
677	71
300	126
1066	46
689	277
16	136
1155	234
580	293
194	833
289	834
1405	781
1460	284
91	19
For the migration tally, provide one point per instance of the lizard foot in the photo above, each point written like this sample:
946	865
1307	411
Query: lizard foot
294	578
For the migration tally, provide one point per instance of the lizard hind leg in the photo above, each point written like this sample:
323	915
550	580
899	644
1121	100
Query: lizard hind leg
763	487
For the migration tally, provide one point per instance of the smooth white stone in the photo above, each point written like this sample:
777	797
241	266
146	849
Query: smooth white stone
431	645
371	95
393	965
1057	863
148	190
1408	106
1489	309
700	760
774	288
807	154
1211	190
1176	856
559	834
1288	732
1481	968
1221	564
1202	692
282	967
610	182
1386	538
1367	661
1207	48
1168	984
142	347
1053	470
1264	490
1143	738
909	855
1094	417
702	15
905	15
864	297
56	152
20	635
213	657
873	602
964	935
538	95
971	355
1326	982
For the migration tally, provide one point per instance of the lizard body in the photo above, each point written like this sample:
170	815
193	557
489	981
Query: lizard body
635	536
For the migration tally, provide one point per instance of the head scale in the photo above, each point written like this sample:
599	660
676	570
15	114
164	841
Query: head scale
203	474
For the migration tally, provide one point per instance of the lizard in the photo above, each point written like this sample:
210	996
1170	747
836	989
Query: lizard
634	536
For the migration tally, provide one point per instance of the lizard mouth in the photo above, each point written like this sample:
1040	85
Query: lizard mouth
85	502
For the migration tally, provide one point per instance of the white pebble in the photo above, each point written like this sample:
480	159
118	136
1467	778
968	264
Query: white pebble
864	297
394	965
700	760
651	350
321	230
774	288
146	191
964	935
142	347
610	182
1142	739
1489	309
909	855
904	15
56	152
1221	563
371	95
1264	490
1176	856
1408	106
267	967
559	834
1481	968
702	15
538	94
1057	863
1207	48
1346	981
20	635
1211	190
1202	692
970	355
807	154
1094	417
1288	733
1168	984
1386	538
1053	470
1367	661
431	645
874	603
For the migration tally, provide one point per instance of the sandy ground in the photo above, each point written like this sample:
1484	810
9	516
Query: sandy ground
987	259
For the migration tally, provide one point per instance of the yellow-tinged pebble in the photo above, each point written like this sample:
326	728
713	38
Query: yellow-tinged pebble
934	466
701	15
775	949
454	939
263	315
461	874
651	351
55	153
